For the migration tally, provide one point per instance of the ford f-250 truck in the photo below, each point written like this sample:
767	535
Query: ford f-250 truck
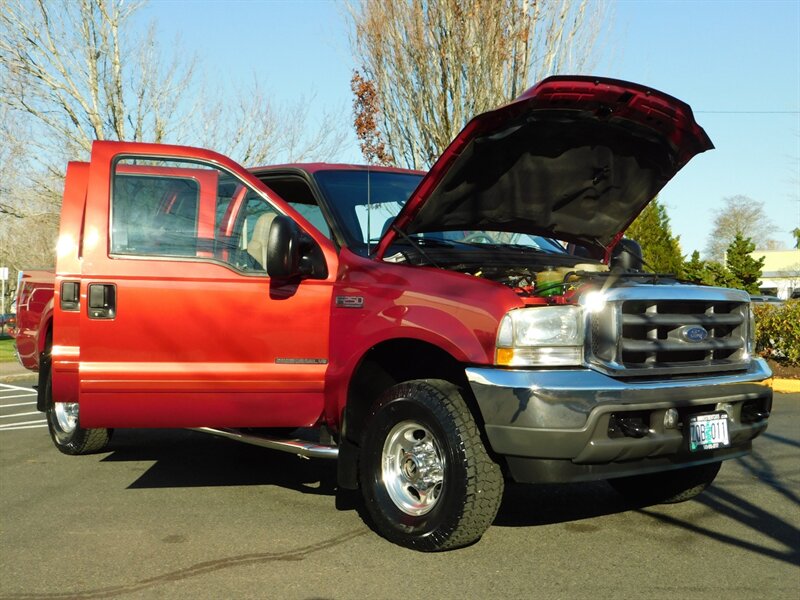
441	331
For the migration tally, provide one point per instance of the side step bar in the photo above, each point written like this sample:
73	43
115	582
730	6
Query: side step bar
299	447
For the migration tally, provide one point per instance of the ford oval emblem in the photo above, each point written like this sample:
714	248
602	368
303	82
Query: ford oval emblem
694	333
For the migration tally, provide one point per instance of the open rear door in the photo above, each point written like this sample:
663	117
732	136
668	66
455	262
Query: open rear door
66	302
181	325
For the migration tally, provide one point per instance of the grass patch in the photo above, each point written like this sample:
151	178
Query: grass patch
7	350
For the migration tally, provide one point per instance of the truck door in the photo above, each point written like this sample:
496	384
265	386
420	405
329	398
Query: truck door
181	324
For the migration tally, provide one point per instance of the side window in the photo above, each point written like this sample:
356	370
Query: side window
250	233
165	208
298	194
155	215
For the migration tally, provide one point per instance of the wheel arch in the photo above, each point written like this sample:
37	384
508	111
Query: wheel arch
384	365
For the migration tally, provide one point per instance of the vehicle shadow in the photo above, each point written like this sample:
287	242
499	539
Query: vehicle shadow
546	504
183	458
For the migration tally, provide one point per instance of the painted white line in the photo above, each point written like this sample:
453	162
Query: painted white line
17	404
5	386
18	396
16	424
36	412
24	427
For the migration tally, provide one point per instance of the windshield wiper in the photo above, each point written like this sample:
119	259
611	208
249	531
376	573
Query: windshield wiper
415	243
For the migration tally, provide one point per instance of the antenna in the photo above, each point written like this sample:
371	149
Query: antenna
369	213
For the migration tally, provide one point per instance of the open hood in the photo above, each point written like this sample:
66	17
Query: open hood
576	158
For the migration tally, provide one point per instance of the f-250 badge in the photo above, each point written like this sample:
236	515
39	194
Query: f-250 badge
350	301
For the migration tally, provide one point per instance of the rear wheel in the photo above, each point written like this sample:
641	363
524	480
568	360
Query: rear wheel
427	480
65	430
668	487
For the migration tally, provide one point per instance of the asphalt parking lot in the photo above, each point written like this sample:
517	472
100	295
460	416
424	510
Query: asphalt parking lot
176	514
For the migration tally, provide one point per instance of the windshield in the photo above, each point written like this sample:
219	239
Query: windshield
366	202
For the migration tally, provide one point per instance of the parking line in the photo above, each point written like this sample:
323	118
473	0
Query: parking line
24	427
23	423
17	404
5	386
17	396
20	415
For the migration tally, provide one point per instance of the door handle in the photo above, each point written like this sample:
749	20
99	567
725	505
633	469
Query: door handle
102	300
70	295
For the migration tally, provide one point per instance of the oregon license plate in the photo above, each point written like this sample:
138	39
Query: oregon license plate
708	432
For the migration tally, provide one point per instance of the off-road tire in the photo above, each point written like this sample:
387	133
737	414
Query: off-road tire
471	487
78	440
668	487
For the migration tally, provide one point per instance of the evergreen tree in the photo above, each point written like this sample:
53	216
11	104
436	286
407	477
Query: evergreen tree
717	274
661	250
697	271
744	269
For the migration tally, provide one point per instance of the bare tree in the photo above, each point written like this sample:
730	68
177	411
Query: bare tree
744	216
76	71
254	130
70	67
28	221
437	63
82	74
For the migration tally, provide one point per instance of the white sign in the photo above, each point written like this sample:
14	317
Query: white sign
3	273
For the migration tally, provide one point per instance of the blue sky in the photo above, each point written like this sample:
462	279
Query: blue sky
737	63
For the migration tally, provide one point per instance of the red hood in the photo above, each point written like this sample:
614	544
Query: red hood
576	158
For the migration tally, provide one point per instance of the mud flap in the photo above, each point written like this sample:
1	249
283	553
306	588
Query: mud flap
41	388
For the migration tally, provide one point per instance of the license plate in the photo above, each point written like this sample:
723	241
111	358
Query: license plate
708	432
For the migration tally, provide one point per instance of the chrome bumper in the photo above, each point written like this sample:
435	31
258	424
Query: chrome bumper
554	425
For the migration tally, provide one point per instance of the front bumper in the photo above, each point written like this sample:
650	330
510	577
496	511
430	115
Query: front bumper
553	425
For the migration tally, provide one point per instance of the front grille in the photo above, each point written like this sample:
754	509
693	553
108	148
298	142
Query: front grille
644	336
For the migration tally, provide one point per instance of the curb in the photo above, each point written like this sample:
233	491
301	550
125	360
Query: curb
785	386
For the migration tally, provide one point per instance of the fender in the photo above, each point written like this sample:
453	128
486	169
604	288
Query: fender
457	313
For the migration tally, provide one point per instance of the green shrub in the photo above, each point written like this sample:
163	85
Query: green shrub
778	332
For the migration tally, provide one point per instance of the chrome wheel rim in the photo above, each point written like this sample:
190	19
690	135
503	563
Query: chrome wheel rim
412	468
66	416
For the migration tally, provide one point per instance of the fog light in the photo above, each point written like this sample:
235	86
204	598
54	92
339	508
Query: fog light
727	407
671	419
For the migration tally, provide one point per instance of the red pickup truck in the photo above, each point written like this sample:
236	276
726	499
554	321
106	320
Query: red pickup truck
441	332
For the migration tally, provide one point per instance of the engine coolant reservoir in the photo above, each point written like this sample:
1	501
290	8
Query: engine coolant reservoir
548	283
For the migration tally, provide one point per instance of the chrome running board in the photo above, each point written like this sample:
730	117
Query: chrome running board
294	446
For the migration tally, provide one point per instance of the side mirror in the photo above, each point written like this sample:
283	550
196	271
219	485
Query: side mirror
627	255
283	248
293	253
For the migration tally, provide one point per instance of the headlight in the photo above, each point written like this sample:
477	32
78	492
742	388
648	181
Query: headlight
750	345
541	336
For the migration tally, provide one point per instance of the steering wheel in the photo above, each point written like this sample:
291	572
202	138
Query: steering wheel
479	238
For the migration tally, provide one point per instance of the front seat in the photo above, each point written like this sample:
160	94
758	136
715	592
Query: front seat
257	247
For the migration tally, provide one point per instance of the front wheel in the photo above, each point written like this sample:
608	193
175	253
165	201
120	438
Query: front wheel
65	430
426	477
667	487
